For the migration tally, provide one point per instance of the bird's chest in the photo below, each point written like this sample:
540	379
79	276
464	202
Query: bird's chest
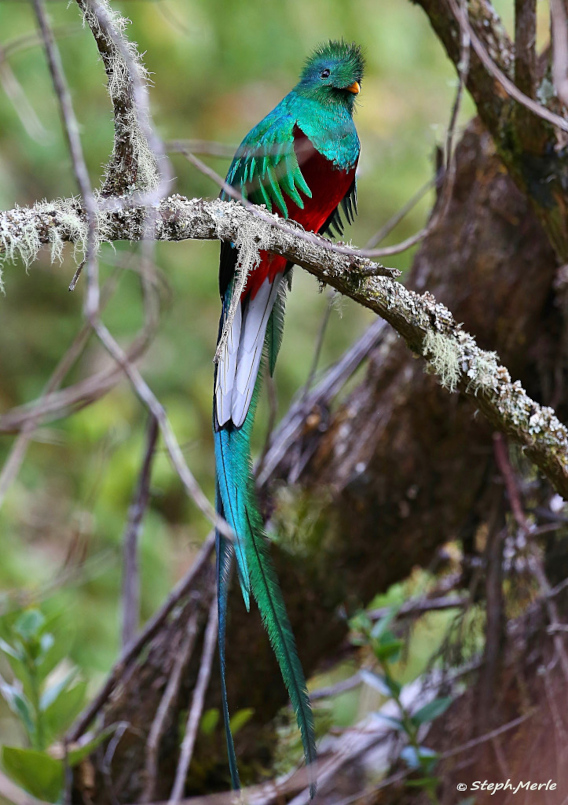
328	183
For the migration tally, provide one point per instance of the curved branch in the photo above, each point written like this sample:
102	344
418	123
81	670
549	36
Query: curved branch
428	328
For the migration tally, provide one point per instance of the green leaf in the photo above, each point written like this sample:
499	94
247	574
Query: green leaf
75	756
419	758
384	623
53	651
30	624
376	681
387	650
209	721
410	757
241	718
424	782
431	710
37	772
361	623
19	704
65	709
52	693
11	651
428	759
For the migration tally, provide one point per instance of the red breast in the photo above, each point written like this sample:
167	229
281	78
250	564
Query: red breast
328	185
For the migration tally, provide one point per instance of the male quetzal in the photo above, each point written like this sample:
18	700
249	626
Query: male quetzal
300	162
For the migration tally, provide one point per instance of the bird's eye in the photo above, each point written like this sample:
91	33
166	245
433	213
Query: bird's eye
325	73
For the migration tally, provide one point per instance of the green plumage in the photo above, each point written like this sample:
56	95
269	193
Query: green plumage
270	168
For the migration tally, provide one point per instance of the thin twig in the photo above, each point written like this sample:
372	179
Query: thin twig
131	652
394	221
488	736
32	40
202	147
71	128
535	562
420	607
335	690
151	402
501	453
162	713
130	577
329	386
23	108
525	46
196	709
19	448
318	347
58	404
450	163
552	610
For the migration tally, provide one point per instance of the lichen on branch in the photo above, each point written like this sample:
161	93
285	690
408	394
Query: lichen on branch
428	327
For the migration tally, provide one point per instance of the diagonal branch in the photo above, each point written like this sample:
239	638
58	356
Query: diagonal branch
428	328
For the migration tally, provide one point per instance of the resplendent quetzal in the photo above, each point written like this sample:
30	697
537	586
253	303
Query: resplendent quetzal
300	162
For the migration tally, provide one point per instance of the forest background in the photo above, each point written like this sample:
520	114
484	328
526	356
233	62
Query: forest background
216	69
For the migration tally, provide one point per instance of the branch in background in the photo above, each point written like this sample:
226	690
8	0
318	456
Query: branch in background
71	128
25	111
131	653
130	571
197	701
525	45
19	448
164	711
415	608
493	69
296	420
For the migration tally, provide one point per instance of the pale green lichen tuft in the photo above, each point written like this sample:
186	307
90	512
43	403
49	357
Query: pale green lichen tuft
453	357
24	230
444	357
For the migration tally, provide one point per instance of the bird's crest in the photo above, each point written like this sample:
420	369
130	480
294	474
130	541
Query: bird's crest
337	50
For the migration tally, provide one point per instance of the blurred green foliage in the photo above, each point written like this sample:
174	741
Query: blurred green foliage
217	67
45	696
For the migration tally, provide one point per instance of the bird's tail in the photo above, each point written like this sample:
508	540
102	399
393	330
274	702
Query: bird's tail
237	498
224	563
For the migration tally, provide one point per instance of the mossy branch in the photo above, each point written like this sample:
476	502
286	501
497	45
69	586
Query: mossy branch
132	165
428	327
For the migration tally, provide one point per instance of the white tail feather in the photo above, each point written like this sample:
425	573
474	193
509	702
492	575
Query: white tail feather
240	360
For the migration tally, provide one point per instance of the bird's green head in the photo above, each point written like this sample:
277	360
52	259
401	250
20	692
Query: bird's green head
333	73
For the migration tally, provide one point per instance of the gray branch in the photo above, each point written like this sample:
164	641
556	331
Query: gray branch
428	328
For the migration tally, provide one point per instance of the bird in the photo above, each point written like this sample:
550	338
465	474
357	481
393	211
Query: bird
299	162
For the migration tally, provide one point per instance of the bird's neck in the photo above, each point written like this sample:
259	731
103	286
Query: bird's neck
329	127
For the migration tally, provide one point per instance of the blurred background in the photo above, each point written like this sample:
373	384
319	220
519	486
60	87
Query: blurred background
216	67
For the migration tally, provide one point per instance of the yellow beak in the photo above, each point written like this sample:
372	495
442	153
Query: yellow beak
355	88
